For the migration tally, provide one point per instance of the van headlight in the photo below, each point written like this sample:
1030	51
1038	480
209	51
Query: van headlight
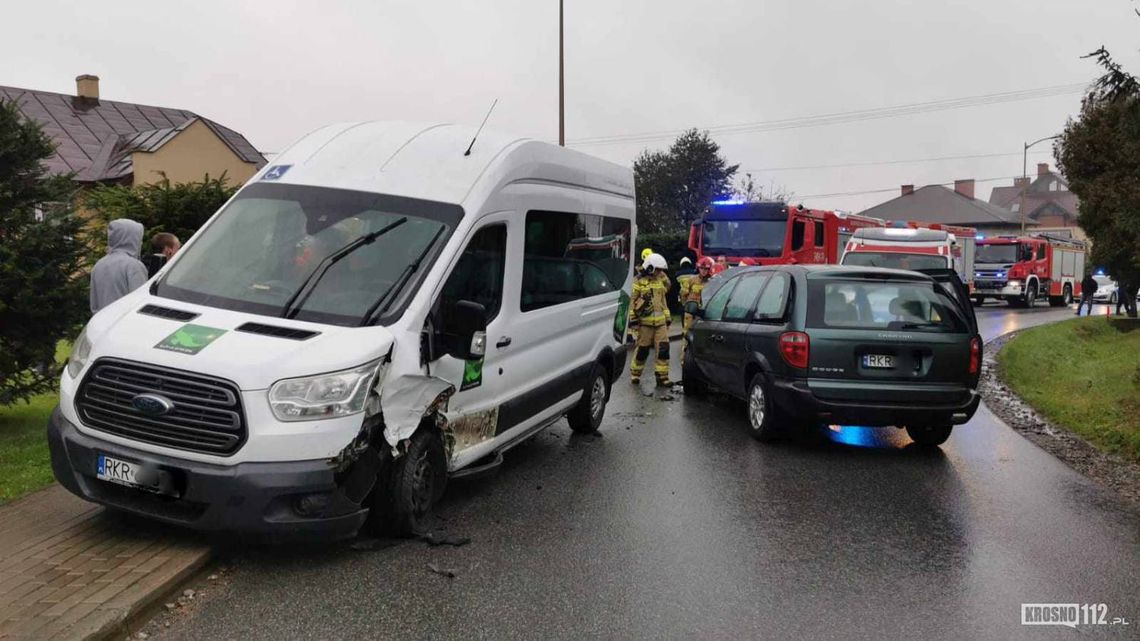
324	395
79	353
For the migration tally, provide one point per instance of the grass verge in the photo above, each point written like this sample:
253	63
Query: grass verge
1083	375
24	461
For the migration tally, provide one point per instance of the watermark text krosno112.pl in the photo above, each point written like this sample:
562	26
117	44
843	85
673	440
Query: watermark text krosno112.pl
1068	614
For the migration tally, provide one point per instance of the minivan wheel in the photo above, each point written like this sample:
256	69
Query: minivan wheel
691	381
417	481
762	415
587	415
929	436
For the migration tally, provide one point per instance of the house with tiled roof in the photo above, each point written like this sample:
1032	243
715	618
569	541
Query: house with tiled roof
957	206
107	141
1046	201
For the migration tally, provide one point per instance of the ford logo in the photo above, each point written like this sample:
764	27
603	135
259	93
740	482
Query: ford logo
152	404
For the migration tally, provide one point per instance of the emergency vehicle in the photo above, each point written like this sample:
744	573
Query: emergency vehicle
1023	269
915	245
772	233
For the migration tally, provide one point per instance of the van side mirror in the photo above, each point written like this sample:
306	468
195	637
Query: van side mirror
694	308
464	331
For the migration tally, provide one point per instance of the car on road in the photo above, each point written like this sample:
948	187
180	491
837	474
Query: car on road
806	345
377	311
1106	289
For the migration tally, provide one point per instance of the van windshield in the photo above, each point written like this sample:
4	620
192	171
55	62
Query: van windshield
895	260
259	251
882	304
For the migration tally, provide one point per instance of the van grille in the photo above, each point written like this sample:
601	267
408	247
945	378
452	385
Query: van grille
207	414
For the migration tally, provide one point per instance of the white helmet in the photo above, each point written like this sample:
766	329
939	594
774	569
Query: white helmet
654	262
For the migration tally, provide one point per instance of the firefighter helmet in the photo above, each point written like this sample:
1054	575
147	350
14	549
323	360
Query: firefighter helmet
654	262
645	253
705	262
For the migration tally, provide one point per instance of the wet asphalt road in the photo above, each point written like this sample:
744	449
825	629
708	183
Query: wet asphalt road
676	524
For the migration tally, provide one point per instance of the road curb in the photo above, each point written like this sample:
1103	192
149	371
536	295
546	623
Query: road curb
130	614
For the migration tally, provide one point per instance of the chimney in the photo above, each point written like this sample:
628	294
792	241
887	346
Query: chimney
87	86
1020	183
965	187
907	190
1042	168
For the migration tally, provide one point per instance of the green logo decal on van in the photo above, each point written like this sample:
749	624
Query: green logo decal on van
190	339
622	317
472	374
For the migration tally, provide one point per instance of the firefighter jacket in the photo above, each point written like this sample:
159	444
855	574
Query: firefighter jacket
649	306
691	289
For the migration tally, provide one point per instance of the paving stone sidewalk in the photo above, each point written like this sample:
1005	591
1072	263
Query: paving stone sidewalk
72	570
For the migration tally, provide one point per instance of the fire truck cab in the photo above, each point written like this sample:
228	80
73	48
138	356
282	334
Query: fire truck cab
1023	269
772	233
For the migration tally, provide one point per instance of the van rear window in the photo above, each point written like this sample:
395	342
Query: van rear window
882	304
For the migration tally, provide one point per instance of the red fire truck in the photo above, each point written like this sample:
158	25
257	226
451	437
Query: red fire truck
1024	269
772	233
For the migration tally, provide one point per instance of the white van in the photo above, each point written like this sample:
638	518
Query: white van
371	312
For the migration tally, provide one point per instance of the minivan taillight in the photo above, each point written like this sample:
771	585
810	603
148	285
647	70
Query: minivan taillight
795	347
975	354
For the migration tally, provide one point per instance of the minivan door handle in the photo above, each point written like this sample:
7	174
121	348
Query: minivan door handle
504	341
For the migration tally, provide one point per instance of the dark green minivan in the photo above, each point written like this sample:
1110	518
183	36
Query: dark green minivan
830	344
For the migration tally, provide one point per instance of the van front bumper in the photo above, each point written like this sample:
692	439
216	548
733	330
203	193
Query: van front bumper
273	501
796	398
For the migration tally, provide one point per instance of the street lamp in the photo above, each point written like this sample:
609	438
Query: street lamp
1025	175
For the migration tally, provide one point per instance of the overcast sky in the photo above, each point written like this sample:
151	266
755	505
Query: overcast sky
276	70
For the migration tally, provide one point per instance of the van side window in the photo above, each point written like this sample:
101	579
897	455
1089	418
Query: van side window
744	296
798	228
572	256
478	274
772	301
818	240
715	307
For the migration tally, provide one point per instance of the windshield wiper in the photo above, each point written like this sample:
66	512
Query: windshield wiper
293	306
381	305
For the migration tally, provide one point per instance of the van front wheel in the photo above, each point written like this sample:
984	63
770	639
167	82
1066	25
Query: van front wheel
417	481
587	415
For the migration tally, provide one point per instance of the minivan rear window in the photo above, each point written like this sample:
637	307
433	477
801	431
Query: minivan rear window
882	304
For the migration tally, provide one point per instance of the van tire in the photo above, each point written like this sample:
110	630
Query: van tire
403	505
586	417
763	416
929	436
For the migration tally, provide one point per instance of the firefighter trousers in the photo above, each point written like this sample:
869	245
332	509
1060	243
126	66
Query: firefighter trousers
649	337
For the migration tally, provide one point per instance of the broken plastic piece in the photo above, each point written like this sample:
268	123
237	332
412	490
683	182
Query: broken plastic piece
406	400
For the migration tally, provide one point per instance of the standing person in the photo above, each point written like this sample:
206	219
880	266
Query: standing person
651	320
631	323
163	245
691	289
685	268
1088	288
119	272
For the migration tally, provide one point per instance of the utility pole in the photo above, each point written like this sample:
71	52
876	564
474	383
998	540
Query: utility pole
1025	176
561	82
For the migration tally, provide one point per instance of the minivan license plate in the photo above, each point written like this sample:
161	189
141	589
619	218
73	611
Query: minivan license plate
878	361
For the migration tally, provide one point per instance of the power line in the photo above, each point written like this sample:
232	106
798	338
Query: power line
874	163
848	116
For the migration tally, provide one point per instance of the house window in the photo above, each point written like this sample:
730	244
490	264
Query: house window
1016	207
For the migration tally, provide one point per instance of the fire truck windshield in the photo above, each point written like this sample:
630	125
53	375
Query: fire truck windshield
1005	253
752	238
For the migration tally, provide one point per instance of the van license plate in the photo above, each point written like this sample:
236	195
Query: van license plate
878	361
130	473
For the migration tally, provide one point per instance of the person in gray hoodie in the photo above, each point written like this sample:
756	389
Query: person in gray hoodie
120	272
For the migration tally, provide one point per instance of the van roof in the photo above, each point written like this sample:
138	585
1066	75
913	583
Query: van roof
423	160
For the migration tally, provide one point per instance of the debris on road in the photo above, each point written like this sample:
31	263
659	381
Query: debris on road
438	538
447	572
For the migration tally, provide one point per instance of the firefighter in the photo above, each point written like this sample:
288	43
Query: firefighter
691	289
651	320
631	331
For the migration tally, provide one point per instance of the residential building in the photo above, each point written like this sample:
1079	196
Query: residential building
107	141
957	206
1045	200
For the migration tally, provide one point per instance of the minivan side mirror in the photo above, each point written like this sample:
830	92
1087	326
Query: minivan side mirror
464	331
694	308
